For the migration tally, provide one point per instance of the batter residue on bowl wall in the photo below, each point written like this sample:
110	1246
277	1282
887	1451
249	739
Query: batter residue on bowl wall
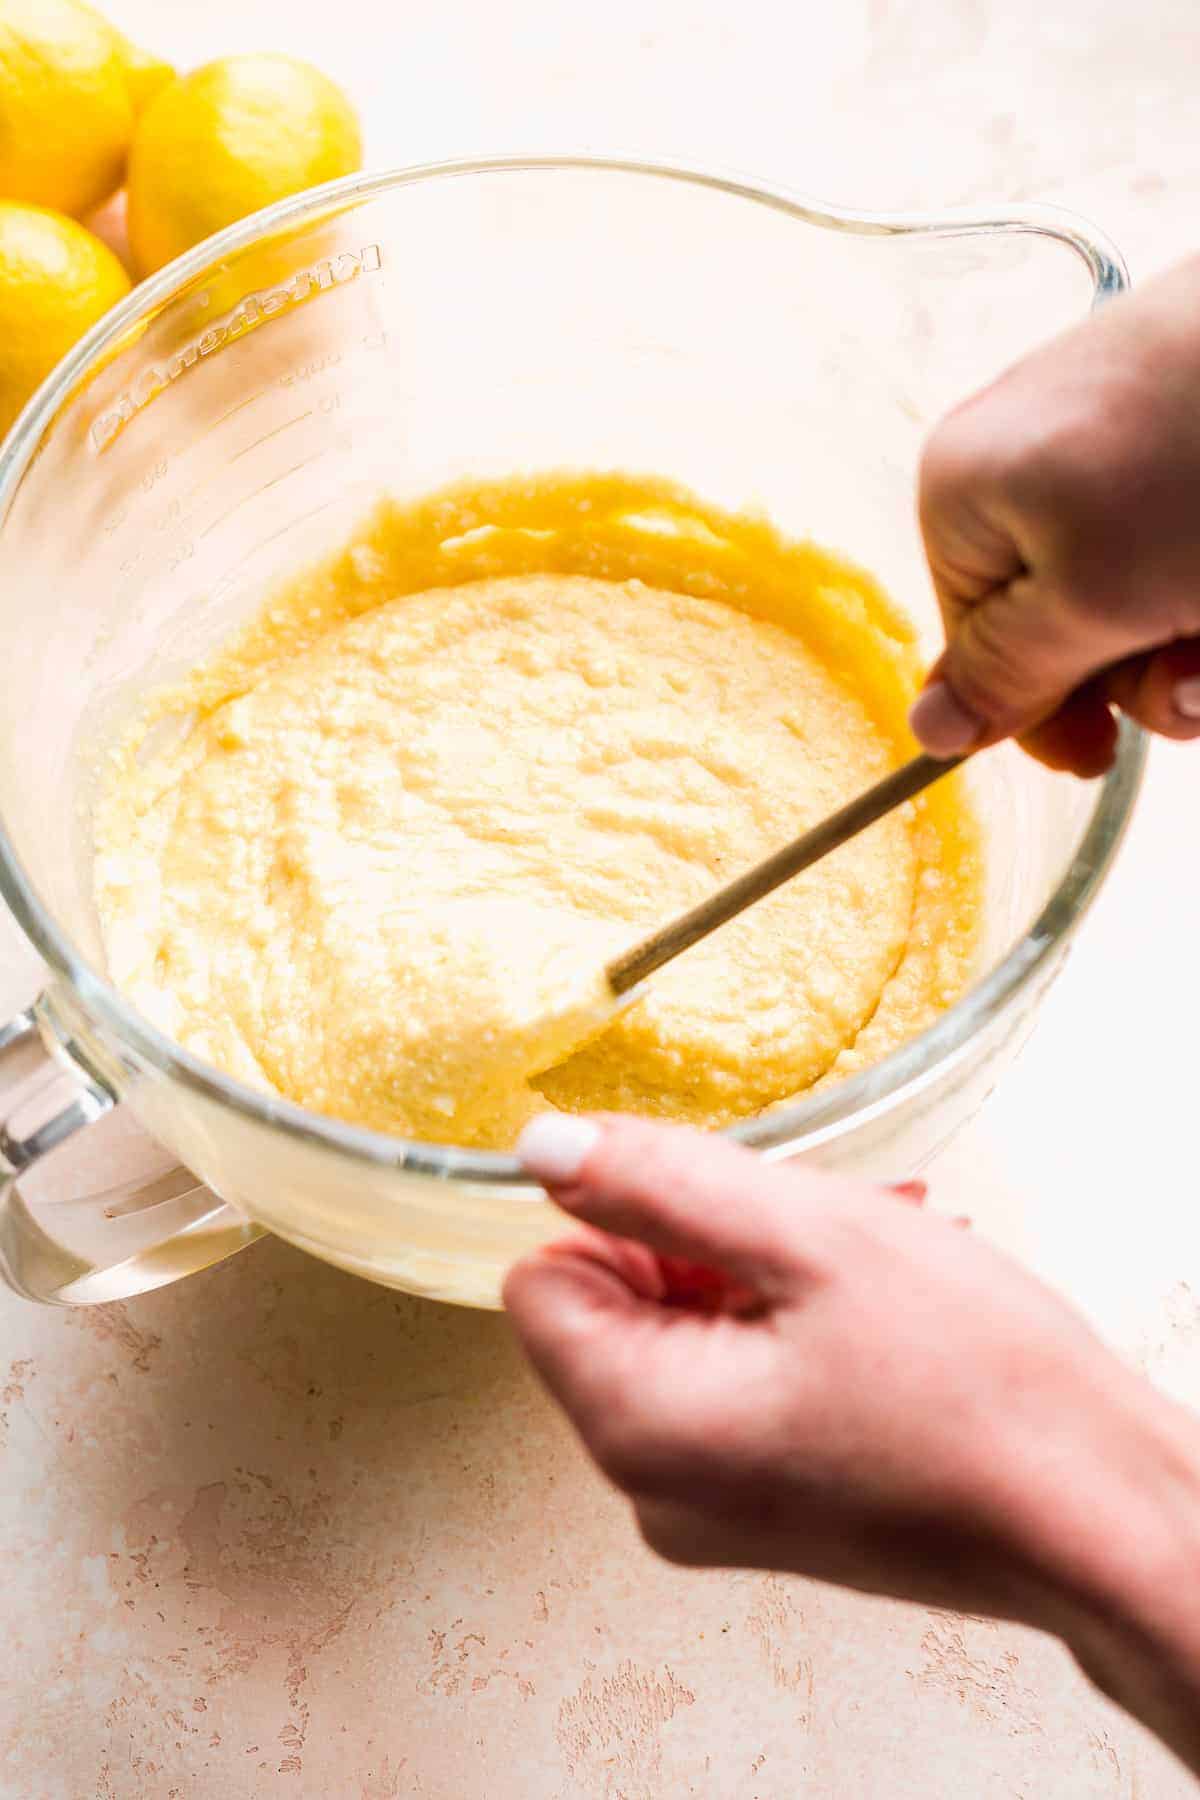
416	803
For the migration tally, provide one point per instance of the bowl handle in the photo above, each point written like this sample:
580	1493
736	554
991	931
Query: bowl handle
136	1236
1104	261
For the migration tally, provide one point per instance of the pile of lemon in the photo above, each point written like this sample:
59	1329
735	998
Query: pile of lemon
83	111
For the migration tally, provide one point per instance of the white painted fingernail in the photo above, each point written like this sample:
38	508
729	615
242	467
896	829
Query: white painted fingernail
1187	697
942	723
555	1146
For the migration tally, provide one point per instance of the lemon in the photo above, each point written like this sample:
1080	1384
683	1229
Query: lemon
227	139
66	113
145	73
56	280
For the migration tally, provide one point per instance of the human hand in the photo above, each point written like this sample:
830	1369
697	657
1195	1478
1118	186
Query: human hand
1060	510
790	1371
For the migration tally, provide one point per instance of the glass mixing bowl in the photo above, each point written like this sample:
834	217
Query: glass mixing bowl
238	414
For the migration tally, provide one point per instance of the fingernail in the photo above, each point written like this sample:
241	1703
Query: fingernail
942	723
555	1146
1187	697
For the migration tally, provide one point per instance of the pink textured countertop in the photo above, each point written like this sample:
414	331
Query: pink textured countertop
279	1533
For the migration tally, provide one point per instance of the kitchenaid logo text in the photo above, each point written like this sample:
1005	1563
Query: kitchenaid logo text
251	312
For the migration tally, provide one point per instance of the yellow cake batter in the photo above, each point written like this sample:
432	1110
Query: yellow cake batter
403	819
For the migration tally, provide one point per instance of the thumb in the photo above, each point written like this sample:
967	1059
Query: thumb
685	1193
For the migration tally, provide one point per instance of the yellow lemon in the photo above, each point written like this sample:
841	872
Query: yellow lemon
145	74
227	139
56	280
66	113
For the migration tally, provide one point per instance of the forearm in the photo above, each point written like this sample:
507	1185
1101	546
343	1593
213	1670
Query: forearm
1116	1534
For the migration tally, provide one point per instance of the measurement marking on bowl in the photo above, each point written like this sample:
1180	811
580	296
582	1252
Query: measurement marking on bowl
159	472
310	512
201	487
274	432
310	370
225	416
274	482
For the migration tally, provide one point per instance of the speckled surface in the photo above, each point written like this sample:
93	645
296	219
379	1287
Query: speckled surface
279	1533
283	1534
